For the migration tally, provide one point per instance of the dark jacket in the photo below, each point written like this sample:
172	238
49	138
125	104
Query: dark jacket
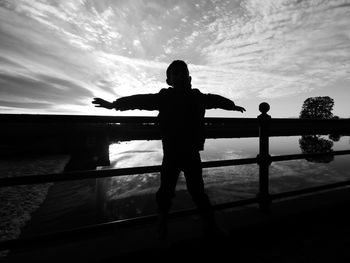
181	115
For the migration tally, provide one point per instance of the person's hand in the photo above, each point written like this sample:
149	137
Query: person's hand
238	108
101	103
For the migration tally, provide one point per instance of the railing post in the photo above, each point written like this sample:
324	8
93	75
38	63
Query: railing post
264	158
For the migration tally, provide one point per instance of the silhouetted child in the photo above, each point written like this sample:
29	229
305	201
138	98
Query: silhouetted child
181	118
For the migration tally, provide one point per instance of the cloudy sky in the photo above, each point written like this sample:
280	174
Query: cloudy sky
55	56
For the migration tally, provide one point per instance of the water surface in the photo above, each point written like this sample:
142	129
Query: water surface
223	184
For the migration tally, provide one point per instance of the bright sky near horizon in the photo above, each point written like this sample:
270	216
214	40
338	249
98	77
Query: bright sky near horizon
55	56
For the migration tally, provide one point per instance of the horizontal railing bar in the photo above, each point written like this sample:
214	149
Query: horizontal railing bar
307	155
212	164
310	190
93	174
38	118
148	119
112	118
16	118
95	125
287	126
100	229
81	175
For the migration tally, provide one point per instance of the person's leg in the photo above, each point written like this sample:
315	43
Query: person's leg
168	179
195	186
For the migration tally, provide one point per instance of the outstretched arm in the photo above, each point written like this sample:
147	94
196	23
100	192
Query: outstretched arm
140	102
101	103
213	101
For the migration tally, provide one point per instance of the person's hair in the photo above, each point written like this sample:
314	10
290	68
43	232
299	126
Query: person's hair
176	66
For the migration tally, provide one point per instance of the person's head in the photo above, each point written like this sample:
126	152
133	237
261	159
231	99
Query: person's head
178	75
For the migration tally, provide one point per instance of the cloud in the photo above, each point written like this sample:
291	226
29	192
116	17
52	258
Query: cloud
245	49
293	43
25	105
8	63
41	88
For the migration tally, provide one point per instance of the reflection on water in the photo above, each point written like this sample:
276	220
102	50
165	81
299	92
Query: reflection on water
316	144
130	196
135	153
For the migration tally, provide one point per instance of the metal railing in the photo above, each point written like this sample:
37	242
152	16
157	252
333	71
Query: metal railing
263	127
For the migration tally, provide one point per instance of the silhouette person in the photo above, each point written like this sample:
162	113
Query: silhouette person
181	119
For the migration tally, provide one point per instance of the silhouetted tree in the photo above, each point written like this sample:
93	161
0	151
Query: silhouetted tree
317	108
316	144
